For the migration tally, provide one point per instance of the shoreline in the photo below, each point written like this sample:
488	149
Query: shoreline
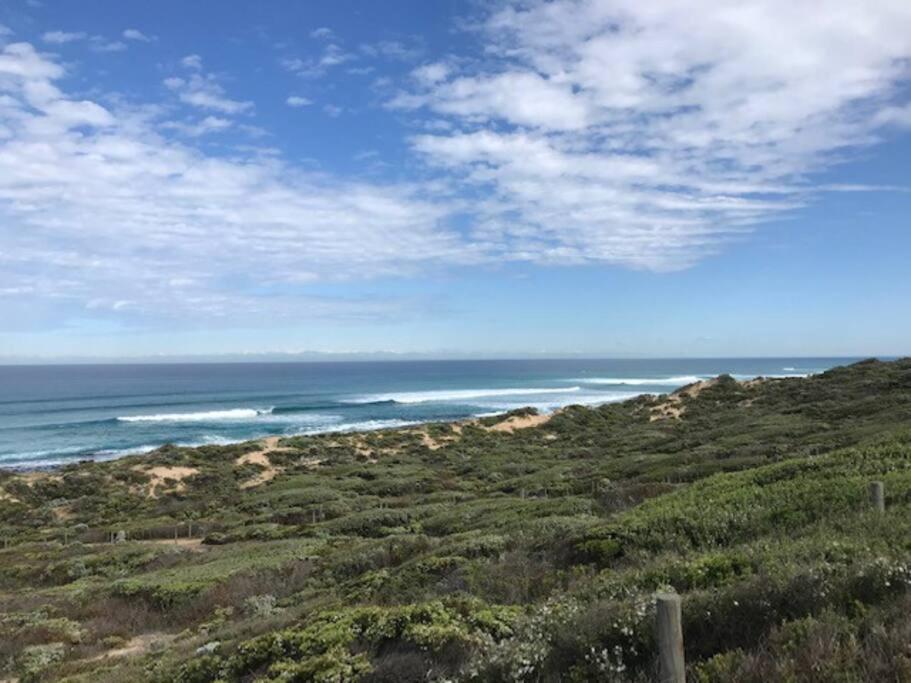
26	468
108	455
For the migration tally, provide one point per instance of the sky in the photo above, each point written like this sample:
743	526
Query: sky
611	178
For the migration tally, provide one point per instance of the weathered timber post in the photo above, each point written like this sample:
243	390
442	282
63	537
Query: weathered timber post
670	639
120	536
877	496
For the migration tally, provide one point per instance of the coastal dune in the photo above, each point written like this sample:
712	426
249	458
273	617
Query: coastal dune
460	546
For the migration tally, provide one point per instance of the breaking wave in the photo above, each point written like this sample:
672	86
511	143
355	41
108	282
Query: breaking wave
365	426
203	416
639	381
459	395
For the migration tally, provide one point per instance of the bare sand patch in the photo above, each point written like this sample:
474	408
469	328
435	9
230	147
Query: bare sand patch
166	478
515	422
434	443
31	478
9	498
268	470
362	448
138	645
63	513
672	407
429	442
696	388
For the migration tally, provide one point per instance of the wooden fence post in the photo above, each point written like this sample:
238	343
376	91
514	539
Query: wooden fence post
671	667
877	496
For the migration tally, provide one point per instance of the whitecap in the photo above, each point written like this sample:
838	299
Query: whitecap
202	416
459	394
365	426
639	381
587	399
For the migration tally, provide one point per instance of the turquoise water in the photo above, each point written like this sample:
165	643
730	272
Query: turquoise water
50	415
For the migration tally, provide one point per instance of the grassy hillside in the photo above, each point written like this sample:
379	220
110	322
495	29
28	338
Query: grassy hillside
517	548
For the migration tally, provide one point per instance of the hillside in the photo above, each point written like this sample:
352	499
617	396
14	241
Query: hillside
518	547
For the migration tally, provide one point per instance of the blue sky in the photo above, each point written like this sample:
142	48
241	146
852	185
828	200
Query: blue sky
611	178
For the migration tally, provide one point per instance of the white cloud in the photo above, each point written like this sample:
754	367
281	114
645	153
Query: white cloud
430	74
96	43
332	55
204	126
203	90
297	101
5	30
525	98
20	60
192	62
322	33
622	132
899	116
99	205
99	44
61	37
648	134
392	49
136	34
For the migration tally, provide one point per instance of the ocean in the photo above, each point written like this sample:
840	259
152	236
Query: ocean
56	414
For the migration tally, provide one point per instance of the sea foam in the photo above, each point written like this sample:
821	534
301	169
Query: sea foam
584	399
460	394
639	381
364	426
203	416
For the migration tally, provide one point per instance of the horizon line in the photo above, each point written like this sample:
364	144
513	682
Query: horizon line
388	357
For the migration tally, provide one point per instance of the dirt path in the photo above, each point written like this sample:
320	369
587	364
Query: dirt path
139	645
189	543
261	458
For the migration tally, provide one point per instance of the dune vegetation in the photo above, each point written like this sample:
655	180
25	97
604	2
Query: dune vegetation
511	548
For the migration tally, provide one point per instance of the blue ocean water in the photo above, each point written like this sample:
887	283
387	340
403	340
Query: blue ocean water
53	414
